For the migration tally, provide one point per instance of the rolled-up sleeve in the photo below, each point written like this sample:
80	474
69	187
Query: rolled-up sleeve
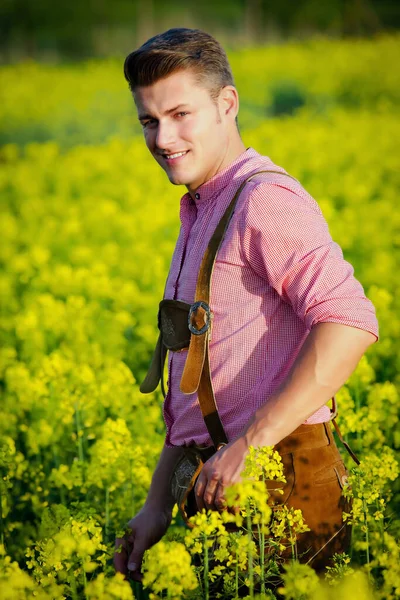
286	240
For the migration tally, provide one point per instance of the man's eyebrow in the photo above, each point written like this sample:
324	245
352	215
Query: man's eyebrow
167	112
171	110
144	116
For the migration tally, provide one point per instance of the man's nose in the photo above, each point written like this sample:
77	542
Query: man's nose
166	135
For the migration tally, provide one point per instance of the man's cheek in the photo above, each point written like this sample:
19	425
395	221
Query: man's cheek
148	138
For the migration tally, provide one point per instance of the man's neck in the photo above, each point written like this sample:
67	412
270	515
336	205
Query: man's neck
233	151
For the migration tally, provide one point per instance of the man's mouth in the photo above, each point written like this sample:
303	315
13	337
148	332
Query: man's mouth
175	156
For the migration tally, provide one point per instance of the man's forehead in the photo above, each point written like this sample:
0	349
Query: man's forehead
177	90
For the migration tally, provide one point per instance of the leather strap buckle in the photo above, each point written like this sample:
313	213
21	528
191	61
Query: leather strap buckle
192	310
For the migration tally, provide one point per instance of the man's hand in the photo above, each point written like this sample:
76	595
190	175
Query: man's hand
146	529
220	471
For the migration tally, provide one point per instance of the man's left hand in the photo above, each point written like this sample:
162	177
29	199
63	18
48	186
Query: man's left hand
220	471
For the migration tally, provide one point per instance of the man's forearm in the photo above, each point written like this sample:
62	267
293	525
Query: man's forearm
159	495
326	360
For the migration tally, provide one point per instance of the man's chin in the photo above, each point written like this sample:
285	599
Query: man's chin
175	179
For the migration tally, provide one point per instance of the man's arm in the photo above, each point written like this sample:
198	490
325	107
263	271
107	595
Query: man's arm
159	496
293	250
325	361
152	521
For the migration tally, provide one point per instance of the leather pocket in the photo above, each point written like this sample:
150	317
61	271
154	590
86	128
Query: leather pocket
334	472
342	474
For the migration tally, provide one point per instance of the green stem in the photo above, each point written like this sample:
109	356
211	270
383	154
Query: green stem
72	584
351	542
262	557
78	433
132	492
84	583
366	535
381	529
107	523
206	583
57	463
250	538
292	544
261	539
237	574
1	515
137	590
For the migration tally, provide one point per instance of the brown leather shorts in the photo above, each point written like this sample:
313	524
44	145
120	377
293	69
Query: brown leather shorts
315	476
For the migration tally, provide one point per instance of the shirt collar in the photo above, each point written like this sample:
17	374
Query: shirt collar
220	180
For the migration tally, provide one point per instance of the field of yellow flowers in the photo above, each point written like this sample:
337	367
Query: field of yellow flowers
88	224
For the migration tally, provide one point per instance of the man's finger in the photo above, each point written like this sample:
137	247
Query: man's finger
220	501
199	490
135	559
121	556
135	575
210	492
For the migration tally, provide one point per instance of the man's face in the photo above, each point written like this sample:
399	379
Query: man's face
185	130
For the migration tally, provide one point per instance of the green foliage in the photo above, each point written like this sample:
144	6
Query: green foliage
90	102
286	98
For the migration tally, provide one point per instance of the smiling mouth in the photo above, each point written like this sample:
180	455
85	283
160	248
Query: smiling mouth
175	155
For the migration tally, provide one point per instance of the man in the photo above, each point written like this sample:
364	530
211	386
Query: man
290	320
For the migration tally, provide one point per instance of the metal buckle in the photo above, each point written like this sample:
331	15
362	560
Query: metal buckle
193	309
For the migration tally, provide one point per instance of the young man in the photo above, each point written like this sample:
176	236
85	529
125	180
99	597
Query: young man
290	321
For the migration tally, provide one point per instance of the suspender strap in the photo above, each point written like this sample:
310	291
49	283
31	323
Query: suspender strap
156	369
196	374
345	444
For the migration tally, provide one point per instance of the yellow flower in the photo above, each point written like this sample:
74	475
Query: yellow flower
168	567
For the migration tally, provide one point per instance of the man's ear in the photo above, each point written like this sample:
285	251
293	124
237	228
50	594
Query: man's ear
229	102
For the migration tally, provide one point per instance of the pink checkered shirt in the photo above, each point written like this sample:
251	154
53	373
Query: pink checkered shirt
278	273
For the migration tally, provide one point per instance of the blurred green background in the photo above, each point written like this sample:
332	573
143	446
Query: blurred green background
49	30
61	63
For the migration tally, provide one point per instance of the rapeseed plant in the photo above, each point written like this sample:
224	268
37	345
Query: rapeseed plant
341	568
167	568
248	555
79	283
368	486
16	583
112	588
66	557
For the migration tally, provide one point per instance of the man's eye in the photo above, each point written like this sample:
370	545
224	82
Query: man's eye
147	122
182	114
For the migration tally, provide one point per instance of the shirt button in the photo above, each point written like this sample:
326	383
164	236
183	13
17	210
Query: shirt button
197	196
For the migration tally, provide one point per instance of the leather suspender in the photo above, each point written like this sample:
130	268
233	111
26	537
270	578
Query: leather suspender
196	374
